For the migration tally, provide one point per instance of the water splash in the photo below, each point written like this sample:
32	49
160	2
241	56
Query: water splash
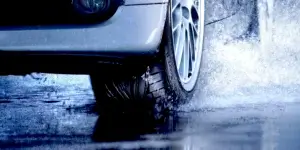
240	72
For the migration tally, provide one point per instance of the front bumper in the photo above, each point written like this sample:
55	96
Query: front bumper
134	29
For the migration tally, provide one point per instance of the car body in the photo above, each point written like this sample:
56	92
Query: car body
135	29
143	56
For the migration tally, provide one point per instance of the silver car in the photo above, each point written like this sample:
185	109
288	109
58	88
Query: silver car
141	55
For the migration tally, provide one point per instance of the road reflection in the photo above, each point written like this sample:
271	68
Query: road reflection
70	120
131	128
215	129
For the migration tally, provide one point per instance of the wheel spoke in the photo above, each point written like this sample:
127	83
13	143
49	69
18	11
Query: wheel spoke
176	17
193	39
191	52
186	60
195	30
176	28
180	48
175	4
177	33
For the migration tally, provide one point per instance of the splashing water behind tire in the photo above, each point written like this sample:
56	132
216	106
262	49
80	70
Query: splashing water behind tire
241	72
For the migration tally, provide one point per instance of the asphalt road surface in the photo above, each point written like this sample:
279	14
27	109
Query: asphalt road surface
246	100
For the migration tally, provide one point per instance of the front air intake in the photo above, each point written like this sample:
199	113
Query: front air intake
42	12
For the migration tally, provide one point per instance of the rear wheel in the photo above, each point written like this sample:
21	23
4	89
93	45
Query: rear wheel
168	82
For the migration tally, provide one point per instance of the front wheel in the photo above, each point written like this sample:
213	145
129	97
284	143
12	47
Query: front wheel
168	82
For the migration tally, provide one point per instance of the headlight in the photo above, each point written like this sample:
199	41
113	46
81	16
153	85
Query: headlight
57	12
91	6
95	10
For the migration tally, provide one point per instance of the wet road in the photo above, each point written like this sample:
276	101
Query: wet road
35	119
245	101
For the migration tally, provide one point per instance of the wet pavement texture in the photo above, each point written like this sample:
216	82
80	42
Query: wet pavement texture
246	99
67	121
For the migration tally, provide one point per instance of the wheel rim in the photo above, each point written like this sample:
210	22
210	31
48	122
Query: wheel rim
187	20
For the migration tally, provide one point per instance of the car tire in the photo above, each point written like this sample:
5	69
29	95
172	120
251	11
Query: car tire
160	88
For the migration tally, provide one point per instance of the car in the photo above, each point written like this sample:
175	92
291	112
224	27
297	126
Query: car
141	55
